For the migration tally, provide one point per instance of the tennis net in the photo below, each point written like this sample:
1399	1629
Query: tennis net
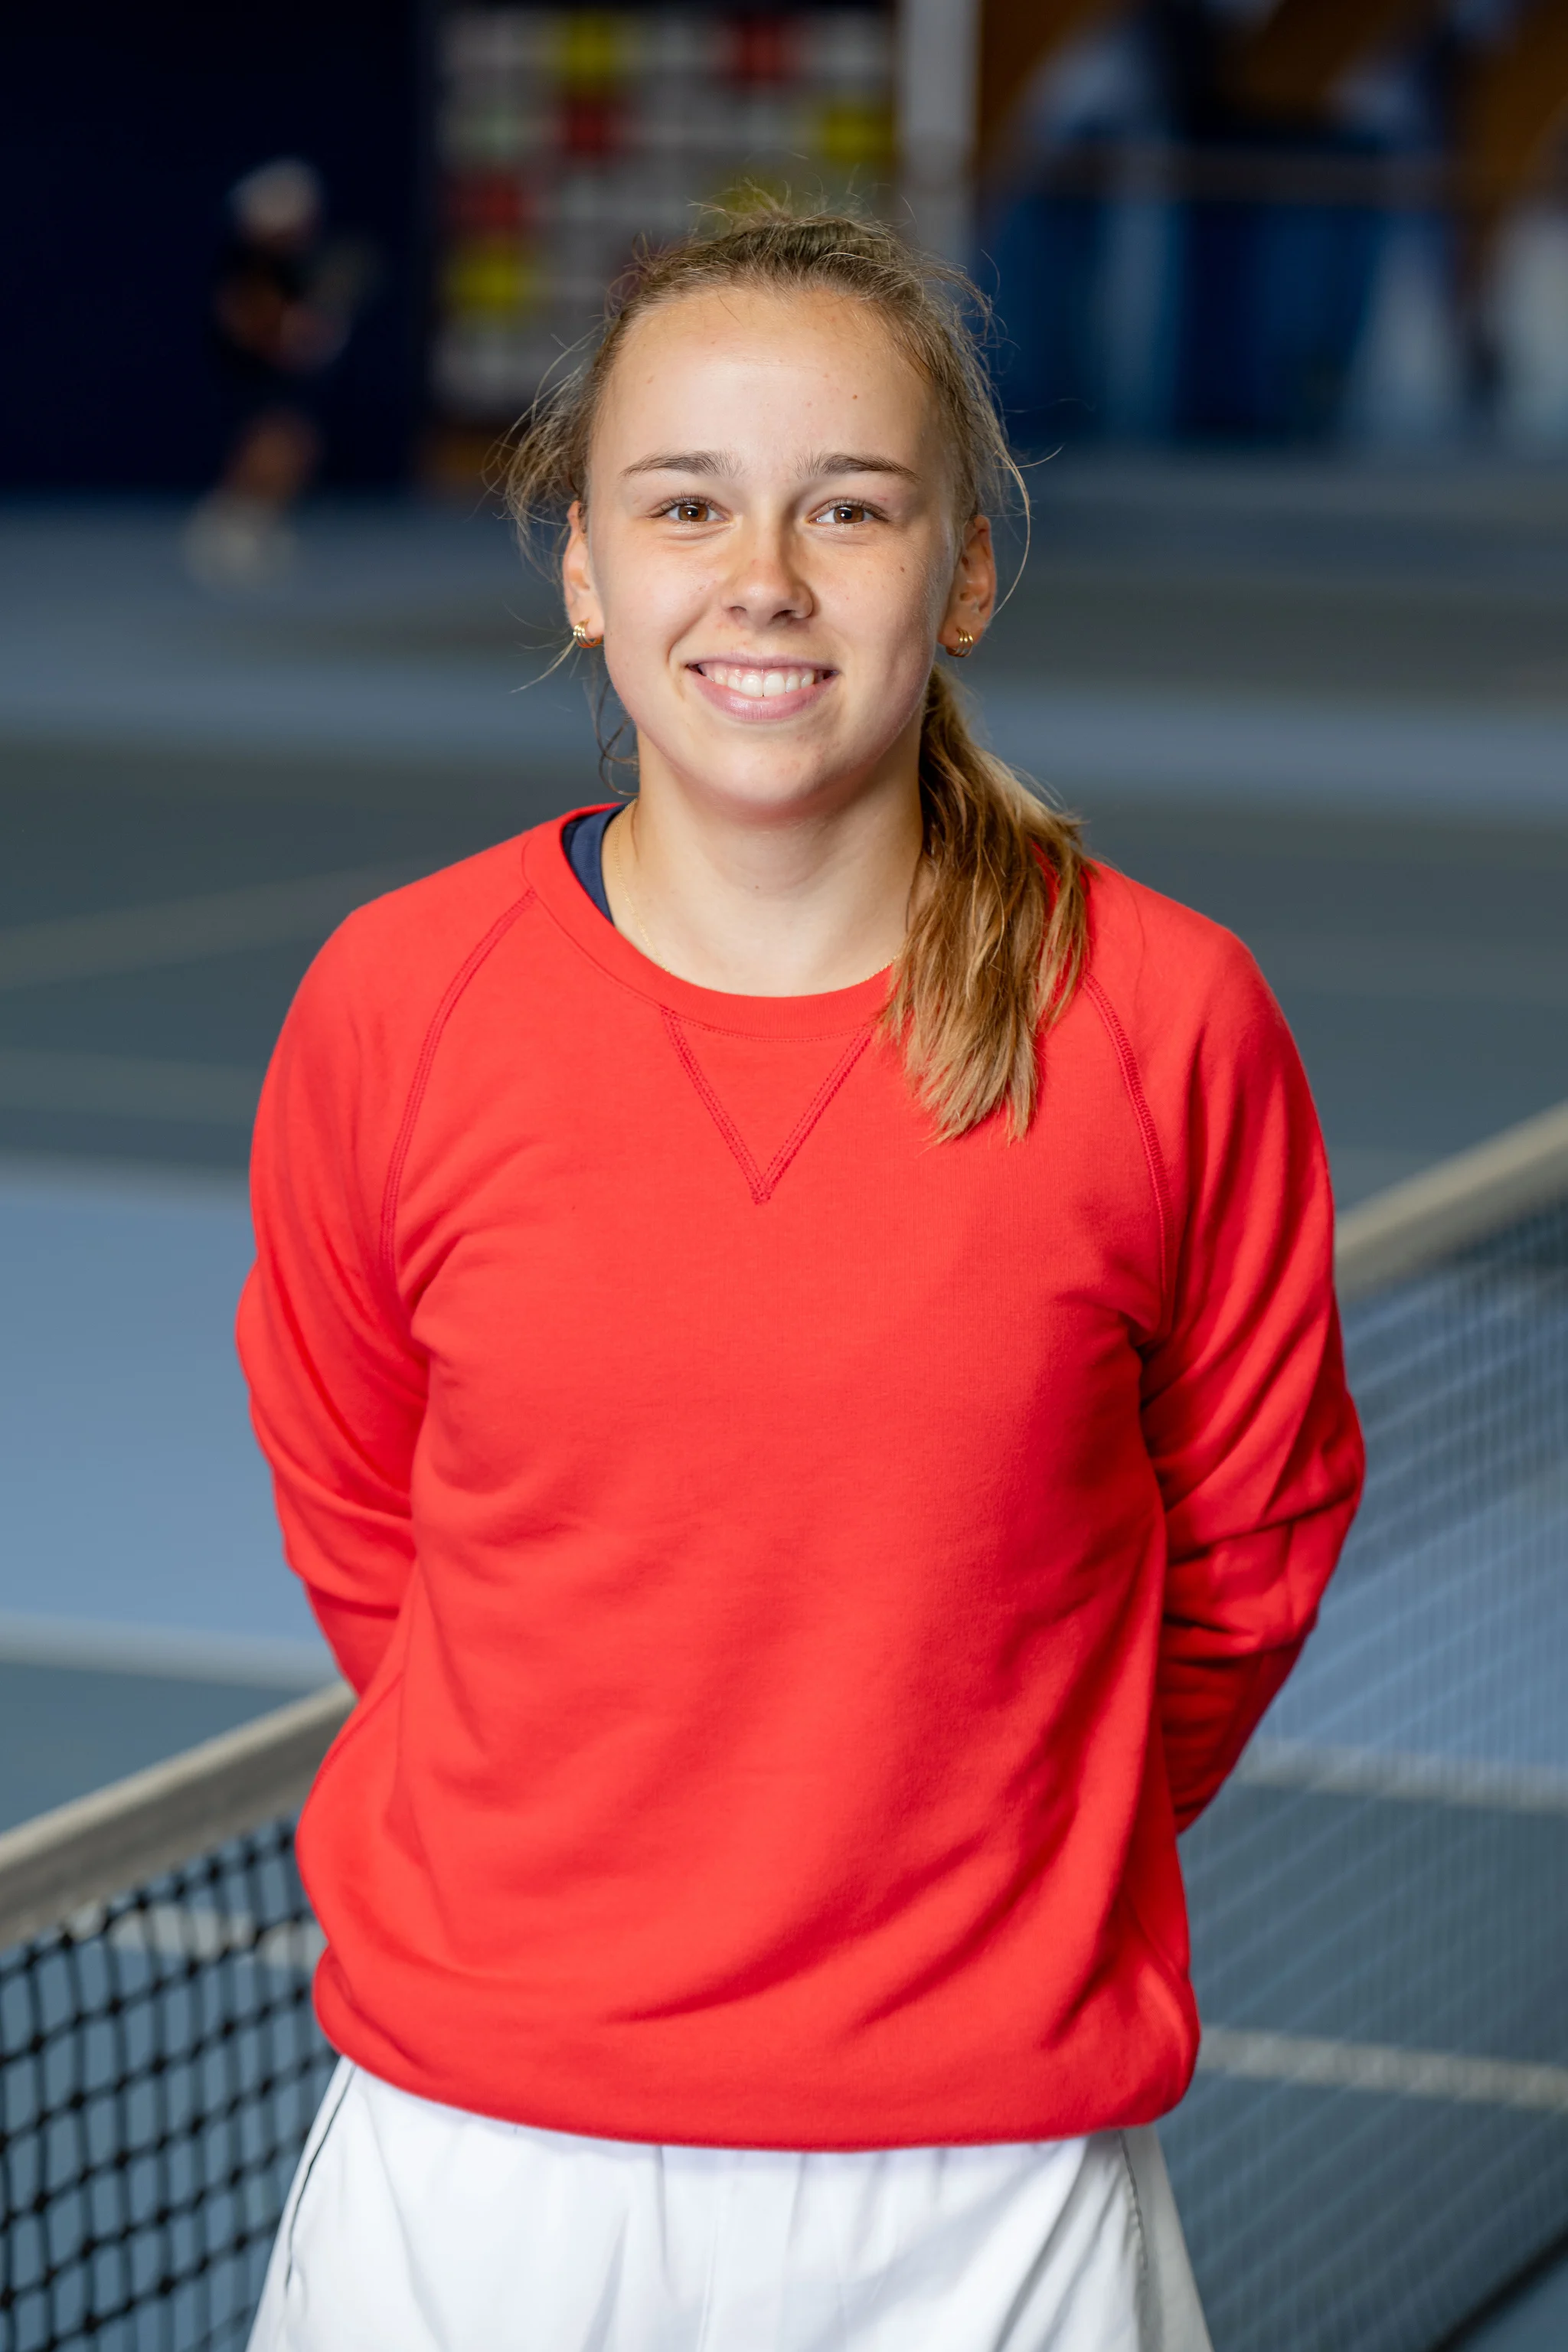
159	2060
1377	2140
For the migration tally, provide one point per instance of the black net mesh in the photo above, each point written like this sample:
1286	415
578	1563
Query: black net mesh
158	2068
1379	1911
1387	1875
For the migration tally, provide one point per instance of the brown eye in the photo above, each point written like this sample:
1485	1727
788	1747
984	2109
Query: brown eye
691	509
847	510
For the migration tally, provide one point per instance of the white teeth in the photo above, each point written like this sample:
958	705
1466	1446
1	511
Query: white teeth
758	685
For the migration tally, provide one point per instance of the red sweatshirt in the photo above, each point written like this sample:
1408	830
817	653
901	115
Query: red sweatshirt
799	1573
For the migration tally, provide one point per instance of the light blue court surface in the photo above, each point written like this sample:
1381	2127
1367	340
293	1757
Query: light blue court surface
144	1604
131	1493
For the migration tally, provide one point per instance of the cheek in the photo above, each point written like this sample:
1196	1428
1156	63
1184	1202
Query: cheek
906	591
647	602
649	607
894	614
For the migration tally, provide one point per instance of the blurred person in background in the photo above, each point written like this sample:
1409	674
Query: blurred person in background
793	1327
284	301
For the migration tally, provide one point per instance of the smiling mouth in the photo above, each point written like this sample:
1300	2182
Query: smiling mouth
759	683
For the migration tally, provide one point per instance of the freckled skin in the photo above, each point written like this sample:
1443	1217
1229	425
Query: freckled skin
772	553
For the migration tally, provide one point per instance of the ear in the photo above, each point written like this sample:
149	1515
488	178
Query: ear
577	574
972	597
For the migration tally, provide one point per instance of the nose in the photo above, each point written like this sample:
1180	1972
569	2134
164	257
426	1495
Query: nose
767	584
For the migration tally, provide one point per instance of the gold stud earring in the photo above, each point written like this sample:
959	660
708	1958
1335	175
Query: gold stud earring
587	643
963	645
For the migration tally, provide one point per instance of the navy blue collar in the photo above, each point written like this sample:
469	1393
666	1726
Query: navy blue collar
583	842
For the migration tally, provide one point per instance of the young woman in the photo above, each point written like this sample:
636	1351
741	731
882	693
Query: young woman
793	1328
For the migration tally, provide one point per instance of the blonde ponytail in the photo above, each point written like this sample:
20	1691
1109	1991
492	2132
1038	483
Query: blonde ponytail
998	927
998	934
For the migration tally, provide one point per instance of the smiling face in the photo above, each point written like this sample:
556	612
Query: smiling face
771	548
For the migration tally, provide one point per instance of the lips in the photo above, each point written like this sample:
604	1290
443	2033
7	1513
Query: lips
761	694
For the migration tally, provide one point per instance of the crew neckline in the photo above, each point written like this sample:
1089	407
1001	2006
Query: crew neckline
547	868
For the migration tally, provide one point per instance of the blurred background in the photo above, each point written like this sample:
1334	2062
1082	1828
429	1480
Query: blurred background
1281	321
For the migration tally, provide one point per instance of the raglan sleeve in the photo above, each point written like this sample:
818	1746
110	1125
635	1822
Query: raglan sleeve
337	1386
1247	1414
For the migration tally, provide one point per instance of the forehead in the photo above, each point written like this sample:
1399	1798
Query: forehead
749	365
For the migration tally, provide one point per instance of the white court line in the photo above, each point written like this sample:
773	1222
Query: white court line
125	1085
1404	1777
267	1661
1413	972
1382	2066
184	930
1280	750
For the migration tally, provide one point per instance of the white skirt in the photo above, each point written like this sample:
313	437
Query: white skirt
418	2228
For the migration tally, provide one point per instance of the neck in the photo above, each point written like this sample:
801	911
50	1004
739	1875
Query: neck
760	904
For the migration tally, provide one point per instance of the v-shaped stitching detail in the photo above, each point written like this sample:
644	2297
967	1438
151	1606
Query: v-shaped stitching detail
762	1182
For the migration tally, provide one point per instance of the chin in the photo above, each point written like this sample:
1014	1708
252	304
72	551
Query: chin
768	793
742	772
756	778
785	787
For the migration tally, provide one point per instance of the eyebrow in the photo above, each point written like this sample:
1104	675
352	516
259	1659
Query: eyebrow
724	461
686	461
850	461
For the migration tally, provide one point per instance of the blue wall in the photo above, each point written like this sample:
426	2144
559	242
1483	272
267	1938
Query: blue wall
122	123
1245	331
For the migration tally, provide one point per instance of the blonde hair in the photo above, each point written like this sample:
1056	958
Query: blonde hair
998	929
